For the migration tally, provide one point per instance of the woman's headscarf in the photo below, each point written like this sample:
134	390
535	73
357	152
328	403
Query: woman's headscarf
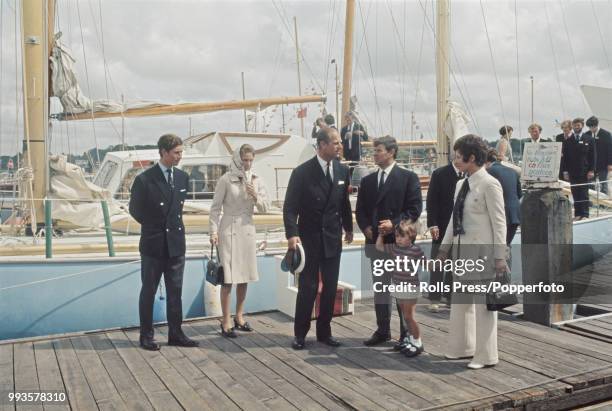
235	168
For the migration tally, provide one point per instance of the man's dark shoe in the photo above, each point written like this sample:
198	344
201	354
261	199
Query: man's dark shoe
148	344
183	341
331	341
376	339
298	343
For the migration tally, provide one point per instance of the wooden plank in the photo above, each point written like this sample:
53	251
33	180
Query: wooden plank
606	319
187	397
49	375
266	395
607	324
258	345
526	329
586	335
199	381
576	399
157	393
415	387
267	375
591	327
330	360
127	387
517	373
77	389
457	386
353	376
549	361
587	347
233	388
7	382
26	377
558	354
504	377
101	385
306	364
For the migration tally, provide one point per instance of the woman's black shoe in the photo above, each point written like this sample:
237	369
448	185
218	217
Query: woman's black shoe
229	333
242	327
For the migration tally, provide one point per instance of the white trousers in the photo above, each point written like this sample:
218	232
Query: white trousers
473	330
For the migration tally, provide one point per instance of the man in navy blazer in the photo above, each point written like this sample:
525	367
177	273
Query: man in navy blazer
315	211
603	151
439	204
511	186
156	202
385	198
578	166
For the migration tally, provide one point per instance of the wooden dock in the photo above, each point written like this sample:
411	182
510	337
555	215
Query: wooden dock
540	368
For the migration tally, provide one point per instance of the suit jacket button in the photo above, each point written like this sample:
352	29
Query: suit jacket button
161	204
167	229
180	228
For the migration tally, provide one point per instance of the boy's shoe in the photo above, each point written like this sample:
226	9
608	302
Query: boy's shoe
400	344
412	350
433	308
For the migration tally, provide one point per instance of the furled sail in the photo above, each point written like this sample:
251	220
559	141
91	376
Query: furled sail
456	123
75	199
66	87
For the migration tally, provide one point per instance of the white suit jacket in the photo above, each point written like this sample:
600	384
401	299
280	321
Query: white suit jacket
484	221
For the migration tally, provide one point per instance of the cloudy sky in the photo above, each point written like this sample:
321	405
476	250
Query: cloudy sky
194	51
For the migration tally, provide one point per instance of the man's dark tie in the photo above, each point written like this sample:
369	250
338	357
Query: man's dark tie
170	179
458	209
381	182
328	176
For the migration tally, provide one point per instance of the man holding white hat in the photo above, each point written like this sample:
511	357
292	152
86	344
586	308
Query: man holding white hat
315	211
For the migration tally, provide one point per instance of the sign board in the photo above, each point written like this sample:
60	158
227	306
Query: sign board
541	162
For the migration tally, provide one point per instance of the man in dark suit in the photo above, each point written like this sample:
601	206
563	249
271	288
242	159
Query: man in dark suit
439	205
577	165
566	127
511	186
352	135
315	211
156	202
385	198
603	151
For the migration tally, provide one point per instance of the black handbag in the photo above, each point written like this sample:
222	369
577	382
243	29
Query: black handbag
497	301
214	269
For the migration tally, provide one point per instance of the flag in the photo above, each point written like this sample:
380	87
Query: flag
301	113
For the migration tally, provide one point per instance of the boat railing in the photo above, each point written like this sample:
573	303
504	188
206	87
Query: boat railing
199	190
598	198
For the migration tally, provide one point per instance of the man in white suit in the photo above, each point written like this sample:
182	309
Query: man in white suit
477	231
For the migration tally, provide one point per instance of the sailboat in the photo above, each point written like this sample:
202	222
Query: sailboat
75	291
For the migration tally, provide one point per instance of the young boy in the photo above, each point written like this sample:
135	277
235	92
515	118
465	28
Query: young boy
405	235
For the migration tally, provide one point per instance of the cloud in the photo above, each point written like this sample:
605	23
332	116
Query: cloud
195	51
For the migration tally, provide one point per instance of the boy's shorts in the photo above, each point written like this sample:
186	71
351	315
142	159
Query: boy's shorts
406	295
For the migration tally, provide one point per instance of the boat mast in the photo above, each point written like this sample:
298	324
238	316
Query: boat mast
347	69
297	58
442	78
37	30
